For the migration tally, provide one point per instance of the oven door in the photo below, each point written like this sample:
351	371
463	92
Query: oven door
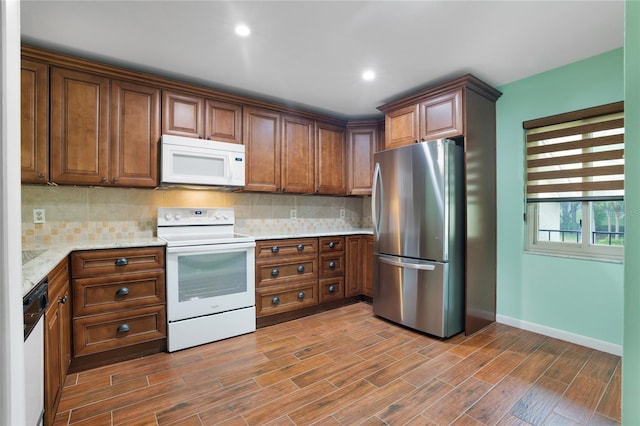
204	280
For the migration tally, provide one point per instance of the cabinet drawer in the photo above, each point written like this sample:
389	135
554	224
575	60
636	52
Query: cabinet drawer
59	280
331	244
331	265
102	262
331	289
286	271
108	331
282	248
277	299
99	295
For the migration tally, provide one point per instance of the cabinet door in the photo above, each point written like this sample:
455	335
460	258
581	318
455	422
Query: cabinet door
182	114
353	266
441	116
297	155
261	137
60	295
367	267
79	128
53	380
135	133
362	143
331	161
401	127
34	124
223	122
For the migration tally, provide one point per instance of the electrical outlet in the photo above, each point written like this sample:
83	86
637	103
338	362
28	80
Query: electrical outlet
342	213
38	216
293	214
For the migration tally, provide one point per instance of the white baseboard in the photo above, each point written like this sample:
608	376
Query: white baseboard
562	335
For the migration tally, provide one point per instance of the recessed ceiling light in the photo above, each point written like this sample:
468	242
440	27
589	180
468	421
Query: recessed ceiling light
242	30
368	75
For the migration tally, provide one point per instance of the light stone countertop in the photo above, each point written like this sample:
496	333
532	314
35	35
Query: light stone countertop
44	259
275	236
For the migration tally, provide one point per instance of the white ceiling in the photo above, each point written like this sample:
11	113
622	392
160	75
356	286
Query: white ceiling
312	53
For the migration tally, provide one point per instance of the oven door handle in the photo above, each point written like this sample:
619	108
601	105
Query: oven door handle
212	248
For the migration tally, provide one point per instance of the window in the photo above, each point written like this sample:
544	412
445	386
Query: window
575	183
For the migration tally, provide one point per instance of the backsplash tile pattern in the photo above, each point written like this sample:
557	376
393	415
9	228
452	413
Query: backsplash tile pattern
86	214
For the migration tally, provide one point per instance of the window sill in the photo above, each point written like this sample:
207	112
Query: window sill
619	261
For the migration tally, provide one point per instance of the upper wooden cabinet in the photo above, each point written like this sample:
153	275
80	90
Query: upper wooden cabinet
261	137
331	160
298	154
34	124
362	142
79	128
103	132
193	116
436	116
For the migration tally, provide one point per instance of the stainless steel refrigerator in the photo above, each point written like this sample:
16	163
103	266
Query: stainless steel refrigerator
418	220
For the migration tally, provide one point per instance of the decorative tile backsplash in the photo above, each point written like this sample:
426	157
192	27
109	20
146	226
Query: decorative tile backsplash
86	214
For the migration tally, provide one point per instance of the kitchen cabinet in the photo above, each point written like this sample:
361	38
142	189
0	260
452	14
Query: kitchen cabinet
286	275
331	161
34	123
436	116
194	116
57	352
464	109
359	265
367	267
119	304
103	132
261	137
298	155
362	142
332	268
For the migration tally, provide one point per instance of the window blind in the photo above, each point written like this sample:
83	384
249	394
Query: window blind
576	156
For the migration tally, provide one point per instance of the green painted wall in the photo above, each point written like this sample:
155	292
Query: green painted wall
577	296
631	346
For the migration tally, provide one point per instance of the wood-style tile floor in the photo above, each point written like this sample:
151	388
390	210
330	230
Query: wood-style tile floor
347	367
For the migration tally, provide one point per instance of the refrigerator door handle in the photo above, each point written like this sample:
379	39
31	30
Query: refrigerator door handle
377	181
422	267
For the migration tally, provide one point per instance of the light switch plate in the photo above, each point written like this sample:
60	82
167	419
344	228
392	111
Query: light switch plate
38	216
293	214
342	213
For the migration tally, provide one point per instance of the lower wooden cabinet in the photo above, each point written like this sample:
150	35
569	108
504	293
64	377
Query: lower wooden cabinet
359	265
330	289
283	298
57	339
119	304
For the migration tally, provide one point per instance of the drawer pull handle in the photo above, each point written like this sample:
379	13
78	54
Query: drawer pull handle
300	247
301	295
275	300
123	261
123	291
300	268
275	249
332	265
123	328
332	289
64	299
332	244
275	272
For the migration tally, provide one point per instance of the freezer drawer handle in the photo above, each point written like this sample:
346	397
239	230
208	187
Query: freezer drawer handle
300	268
407	265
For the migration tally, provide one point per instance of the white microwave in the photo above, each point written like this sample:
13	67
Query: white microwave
190	161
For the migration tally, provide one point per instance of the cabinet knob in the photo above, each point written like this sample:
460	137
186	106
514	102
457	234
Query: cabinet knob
275	249
122	291
332	265
104	179
123	261
300	268
301	295
114	180
332	244
332	289
123	328
40	175
300	247
275	300
423	139
275	272
415	141
64	299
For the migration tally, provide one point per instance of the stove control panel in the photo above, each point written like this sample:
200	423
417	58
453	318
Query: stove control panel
180	216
